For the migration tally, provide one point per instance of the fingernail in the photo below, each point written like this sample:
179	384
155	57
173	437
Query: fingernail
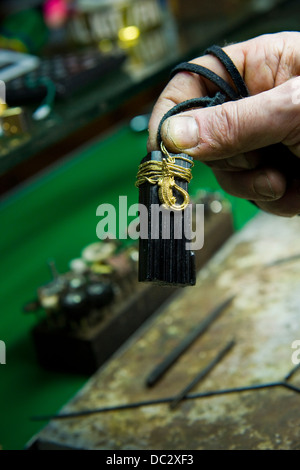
263	187
182	131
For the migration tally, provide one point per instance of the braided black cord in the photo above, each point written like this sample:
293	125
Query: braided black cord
226	90
206	73
231	69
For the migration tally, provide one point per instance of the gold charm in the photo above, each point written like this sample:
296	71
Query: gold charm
167	183
163	174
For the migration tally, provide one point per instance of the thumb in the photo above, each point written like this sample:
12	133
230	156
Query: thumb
237	127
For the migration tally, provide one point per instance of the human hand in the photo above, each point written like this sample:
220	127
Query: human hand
253	144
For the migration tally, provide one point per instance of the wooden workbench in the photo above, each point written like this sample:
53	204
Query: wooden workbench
264	320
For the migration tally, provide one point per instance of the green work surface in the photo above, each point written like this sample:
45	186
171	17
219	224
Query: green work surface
54	217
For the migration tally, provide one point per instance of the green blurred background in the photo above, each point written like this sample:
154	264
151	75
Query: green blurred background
54	216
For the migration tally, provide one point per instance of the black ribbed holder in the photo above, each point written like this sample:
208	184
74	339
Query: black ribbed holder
165	261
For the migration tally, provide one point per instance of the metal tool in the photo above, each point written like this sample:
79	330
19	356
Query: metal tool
165	365
202	374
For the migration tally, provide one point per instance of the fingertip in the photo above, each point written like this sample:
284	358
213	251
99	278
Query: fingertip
257	185
180	133
264	187
273	184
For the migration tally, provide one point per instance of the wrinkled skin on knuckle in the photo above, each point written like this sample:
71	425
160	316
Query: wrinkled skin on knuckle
224	131
292	90
290	58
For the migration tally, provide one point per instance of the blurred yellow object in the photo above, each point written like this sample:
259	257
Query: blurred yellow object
129	33
100	268
50	302
3	107
13	44
105	45
13	121
98	251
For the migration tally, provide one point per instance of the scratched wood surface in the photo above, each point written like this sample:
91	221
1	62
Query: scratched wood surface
264	320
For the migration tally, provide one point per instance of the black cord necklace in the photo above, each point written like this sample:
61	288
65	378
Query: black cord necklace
163	180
